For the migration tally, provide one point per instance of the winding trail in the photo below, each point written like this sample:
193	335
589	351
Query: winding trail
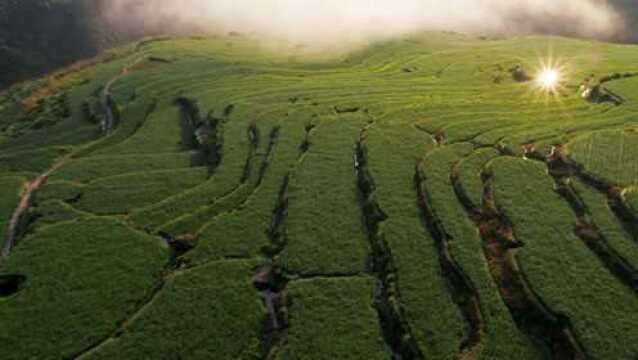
20	213
19	218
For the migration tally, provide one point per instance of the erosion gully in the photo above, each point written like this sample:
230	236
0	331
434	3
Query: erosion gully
394	326
253	138
182	245
561	166
562	169
203	134
273	139
108	105
269	278
500	247
463	292
107	102
270	281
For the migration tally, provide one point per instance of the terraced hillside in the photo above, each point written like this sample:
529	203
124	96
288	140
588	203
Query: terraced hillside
210	198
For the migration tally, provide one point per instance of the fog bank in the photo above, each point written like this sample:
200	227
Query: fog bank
332	21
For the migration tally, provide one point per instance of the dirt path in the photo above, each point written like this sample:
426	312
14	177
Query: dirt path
20	213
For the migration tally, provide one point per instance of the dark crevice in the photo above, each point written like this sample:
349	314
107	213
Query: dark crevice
561	171
305	144
211	141
11	284
272	286
531	315
179	245
346	109
439	138
560	166
323	275
270	281
613	261
186	242
503	149
111	114
228	110
617	76
274	138
205	135
394	326
253	138
150	109
270	278
461	288
598	94
75	199
519	74
277	229
110	111
190	118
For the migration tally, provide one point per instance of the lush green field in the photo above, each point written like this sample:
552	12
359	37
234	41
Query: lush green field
409	199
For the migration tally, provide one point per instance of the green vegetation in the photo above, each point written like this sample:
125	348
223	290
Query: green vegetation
468	171
55	211
27	161
122	193
543	222
333	318
9	197
500	335
325	234
421	282
609	225
71	270
87	169
225	180
243	231
610	155
253	203
188	320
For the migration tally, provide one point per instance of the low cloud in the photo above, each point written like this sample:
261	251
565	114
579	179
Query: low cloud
332	21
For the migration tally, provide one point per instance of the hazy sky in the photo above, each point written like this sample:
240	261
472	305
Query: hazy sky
325	21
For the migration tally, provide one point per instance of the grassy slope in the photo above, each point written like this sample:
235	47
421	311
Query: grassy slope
451	87
66	284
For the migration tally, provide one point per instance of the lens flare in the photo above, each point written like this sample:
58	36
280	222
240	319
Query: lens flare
549	79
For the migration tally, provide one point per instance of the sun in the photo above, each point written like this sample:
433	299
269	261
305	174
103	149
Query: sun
549	79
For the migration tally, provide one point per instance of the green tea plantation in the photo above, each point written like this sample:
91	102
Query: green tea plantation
435	196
